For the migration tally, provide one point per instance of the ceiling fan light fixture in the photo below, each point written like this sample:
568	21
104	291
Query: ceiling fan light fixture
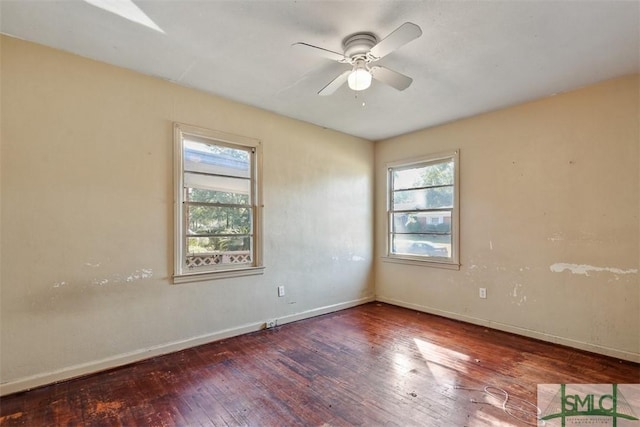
359	79
360	50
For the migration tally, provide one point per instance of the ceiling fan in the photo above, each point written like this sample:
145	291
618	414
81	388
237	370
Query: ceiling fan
361	50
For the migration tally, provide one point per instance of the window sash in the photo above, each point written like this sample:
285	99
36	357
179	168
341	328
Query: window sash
445	235
187	253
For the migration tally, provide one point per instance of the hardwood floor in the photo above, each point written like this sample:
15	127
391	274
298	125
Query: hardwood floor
373	365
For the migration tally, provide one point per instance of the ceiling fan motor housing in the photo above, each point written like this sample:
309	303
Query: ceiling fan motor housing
358	45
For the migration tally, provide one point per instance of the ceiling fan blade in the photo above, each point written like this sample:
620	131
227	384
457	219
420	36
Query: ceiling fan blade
329	54
392	78
401	36
334	84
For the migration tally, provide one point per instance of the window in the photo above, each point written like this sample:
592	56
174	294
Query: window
217	217
423	211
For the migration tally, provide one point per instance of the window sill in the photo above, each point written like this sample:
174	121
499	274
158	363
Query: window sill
421	262
214	275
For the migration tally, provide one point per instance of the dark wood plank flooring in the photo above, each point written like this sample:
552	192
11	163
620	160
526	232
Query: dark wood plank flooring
373	365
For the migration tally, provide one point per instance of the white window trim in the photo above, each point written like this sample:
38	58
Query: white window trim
454	263
180	275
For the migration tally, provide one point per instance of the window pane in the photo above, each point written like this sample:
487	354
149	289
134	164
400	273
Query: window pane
216	159
422	222
218	220
204	245
217	189
424	176
428	198
429	245
217	251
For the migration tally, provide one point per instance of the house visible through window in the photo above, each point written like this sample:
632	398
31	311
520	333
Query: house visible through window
217	211
423	210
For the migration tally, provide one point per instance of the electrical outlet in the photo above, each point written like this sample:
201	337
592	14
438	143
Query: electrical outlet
483	293
280	291
271	324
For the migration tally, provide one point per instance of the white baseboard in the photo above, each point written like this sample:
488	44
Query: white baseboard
38	380
606	351
27	383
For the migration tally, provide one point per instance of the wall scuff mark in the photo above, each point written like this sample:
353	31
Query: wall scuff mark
144	273
516	294
584	269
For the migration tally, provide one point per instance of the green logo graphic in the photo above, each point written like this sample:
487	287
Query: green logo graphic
592	403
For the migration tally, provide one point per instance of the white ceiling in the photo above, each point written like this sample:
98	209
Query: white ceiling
473	56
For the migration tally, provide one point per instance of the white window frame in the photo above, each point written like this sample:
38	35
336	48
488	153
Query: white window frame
182	273
450	263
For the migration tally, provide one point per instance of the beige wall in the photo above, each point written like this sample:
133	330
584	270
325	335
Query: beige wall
87	219
549	220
